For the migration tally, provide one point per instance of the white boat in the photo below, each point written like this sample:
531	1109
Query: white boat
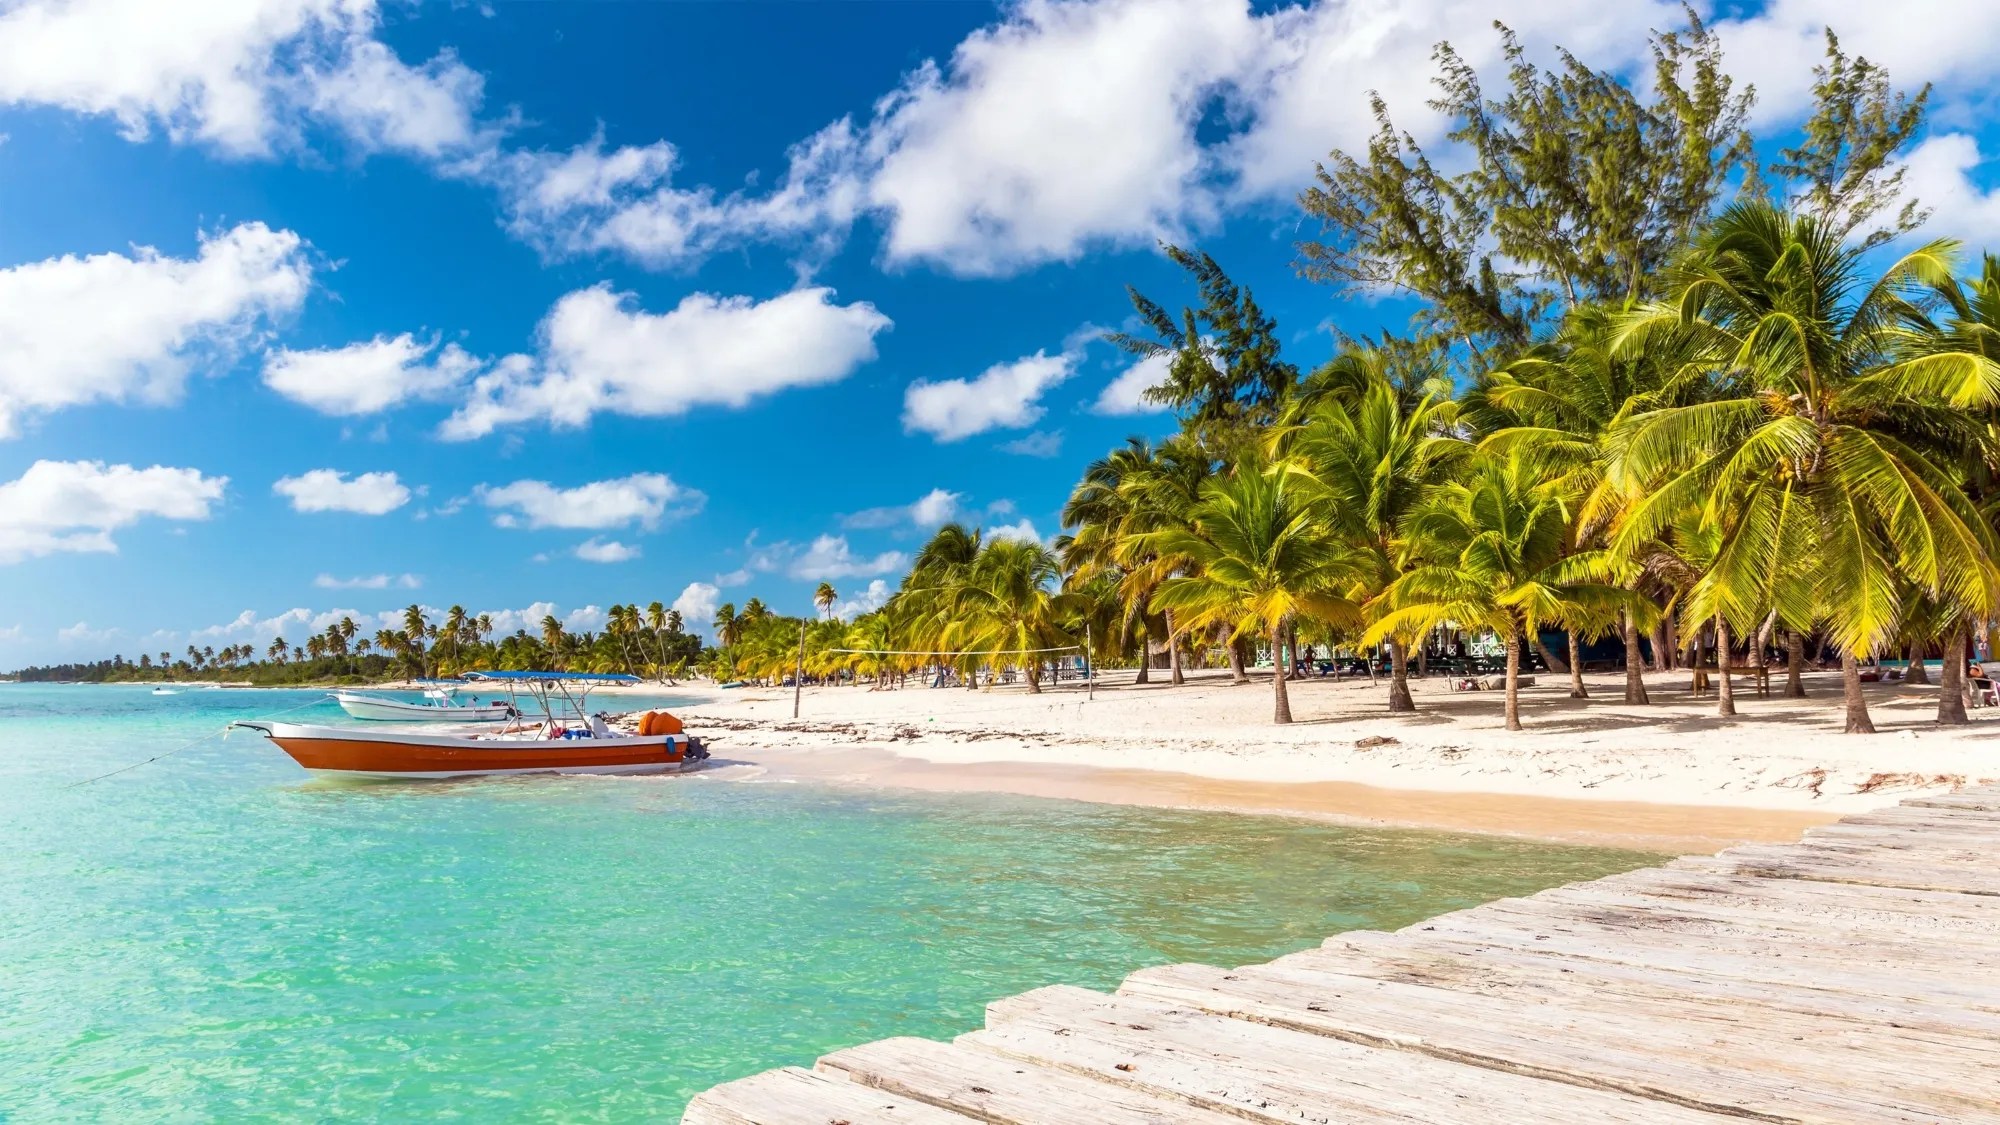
565	739
440	705
165	691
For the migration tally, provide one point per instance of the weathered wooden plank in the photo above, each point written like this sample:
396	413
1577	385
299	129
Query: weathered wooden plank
1719	1066
1837	865
1535	975
1612	913
797	1097
1749	963
1986	799
1886	920
1905	904
1948	820
1269	1073
1926	967
989	1087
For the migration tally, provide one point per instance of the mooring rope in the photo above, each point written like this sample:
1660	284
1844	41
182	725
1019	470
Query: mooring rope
222	730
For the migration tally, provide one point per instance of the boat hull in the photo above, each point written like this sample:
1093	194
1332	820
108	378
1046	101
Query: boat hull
377	709
337	751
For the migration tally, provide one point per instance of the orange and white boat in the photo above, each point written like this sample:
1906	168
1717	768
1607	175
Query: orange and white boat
578	743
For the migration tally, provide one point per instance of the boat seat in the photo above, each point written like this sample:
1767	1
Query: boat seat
598	727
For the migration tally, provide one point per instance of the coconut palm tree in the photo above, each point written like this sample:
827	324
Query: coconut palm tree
1008	603
1100	516
1366	459
1161	493
1492	551
823	599
1255	557
1815	435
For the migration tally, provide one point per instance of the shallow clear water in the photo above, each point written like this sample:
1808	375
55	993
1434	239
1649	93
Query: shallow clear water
213	936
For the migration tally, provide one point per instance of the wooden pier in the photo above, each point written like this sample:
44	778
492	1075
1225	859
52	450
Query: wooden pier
1854	976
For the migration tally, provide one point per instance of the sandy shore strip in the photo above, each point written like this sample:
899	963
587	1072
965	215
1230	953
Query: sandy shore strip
1670	775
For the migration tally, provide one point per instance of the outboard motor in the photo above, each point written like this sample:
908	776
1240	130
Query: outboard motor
696	752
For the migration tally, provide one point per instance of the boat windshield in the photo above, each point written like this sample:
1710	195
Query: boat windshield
561	696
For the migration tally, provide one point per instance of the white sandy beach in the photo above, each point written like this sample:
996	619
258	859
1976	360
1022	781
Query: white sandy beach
1670	773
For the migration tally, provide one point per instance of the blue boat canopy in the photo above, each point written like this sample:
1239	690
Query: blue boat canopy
567	677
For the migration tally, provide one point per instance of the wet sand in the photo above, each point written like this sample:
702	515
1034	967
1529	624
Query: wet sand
1676	829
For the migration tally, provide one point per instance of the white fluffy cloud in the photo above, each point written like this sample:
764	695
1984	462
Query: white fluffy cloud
1939	174
1020	529
330	490
368	582
61	506
600	354
642	499
697	604
1038	444
246	77
600	550
367	377
933	508
118	327
830	556
867	601
1066	124
623	201
1004	396
1126	394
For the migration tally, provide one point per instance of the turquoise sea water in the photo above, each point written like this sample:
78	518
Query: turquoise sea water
215	937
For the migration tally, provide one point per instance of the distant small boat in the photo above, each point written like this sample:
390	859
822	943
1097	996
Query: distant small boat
165	691
440	705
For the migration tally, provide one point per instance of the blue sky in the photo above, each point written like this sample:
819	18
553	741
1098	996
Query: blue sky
321	306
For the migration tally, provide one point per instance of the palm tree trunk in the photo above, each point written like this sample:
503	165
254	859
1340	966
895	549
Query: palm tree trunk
1857	704
1795	664
1557	665
1916	673
1281	702
1174	653
1399	677
1635	672
1694	669
1513	680
1951	676
1236	673
1576	688
1033	670
1725	688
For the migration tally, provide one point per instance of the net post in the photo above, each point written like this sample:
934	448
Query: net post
799	676
1089	670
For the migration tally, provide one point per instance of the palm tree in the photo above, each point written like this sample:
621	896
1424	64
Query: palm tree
656	624
1009	602
1101	515
1366	460
1256	558
942	567
1161	495
824	597
1492	551
1558	403
276	652
1815	438
552	639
